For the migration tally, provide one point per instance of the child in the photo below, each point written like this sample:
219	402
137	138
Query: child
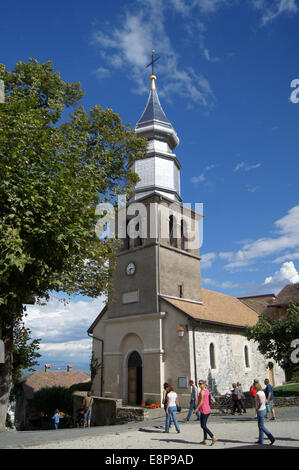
56	418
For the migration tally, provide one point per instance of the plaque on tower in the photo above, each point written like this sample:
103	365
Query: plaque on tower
130	297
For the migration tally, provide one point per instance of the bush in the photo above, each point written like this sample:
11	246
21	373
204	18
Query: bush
46	400
149	401
286	393
81	387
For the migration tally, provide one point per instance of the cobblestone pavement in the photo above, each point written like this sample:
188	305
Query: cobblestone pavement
232	431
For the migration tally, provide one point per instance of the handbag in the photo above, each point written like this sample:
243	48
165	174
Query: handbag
268	409
178	408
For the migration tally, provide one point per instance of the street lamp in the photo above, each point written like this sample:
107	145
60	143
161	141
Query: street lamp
180	331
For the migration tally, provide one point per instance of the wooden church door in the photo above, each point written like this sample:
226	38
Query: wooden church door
134	379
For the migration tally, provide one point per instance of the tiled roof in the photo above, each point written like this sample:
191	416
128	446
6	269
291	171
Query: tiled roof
259	303
34	382
287	294
217	308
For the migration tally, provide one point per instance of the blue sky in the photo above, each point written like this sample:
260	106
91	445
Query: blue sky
224	81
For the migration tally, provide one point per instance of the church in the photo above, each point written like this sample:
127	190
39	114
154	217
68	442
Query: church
161	325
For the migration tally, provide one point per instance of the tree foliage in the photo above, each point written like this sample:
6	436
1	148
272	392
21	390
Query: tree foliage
274	337
53	173
47	399
25	353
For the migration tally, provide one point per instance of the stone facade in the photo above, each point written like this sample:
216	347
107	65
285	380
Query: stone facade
230	361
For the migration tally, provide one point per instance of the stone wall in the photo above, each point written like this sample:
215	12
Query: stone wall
230	364
109	411
278	401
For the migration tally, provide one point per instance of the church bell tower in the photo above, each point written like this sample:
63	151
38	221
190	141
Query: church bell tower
159	257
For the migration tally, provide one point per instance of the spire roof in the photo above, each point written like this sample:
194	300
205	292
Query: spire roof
153	110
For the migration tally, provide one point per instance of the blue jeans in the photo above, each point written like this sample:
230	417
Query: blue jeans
87	416
171	415
192	406
166	415
203	423
260	422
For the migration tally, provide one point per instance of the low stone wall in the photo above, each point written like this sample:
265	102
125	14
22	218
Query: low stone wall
109	411
286	401
278	401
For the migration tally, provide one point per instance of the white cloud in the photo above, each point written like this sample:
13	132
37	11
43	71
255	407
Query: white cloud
209	167
247	167
287	256
207	260
209	6
128	43
202	177
207	54
221	285
251	189
252	167
272	9
198	179
239	165
287	274
287	229
77	349
101	72
63	328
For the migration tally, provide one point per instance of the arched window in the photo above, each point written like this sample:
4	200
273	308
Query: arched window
183	233
172	231
138	240
246	357
212	356
127	239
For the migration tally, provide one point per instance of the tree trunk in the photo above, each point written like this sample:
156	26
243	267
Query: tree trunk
5	375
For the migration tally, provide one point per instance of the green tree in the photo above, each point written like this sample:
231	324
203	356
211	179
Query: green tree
274	338
46	400
53	173
25	354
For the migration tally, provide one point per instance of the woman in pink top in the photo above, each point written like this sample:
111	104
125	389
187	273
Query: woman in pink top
205	410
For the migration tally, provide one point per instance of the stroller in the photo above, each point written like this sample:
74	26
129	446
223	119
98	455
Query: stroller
79	423
224	403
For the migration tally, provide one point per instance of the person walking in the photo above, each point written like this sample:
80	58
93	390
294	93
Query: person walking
164	398
236	400
241	397
261	413
193	401
205	411
87	405
269	399
56	417
171	409
252	393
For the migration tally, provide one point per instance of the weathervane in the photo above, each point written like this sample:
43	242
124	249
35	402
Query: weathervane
152	62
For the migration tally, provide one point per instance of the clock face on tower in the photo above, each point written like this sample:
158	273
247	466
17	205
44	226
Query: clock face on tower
130	269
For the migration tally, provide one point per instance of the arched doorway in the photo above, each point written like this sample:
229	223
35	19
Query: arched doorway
134	378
